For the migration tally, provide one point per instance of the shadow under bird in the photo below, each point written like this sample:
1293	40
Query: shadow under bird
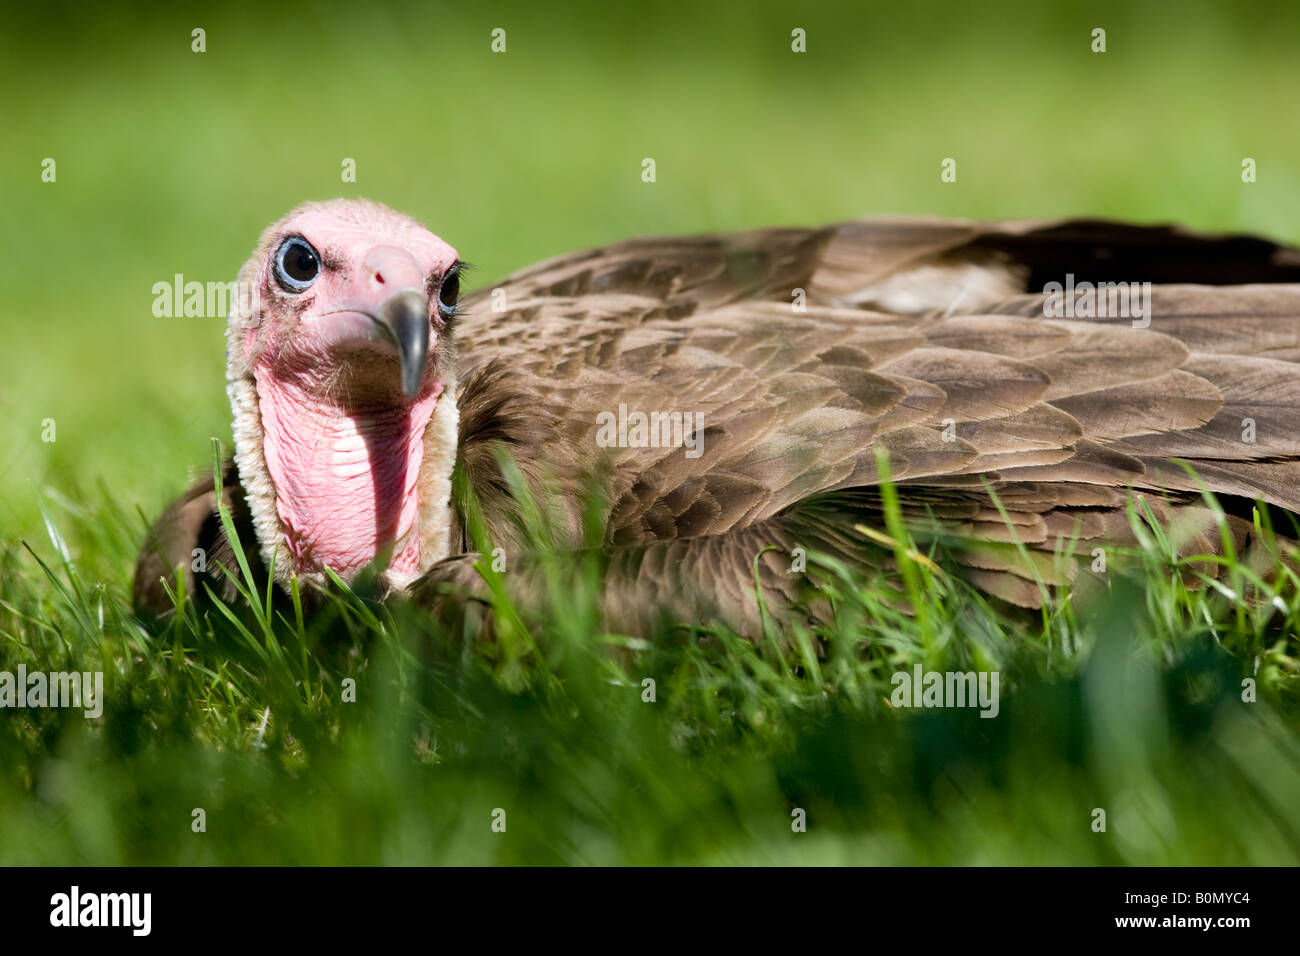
361	382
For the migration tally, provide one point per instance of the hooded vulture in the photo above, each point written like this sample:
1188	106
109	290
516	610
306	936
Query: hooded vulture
725	399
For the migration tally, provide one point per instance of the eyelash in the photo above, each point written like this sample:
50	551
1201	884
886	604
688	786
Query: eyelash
458	270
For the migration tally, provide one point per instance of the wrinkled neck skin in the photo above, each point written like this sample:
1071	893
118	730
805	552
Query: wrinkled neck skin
340	473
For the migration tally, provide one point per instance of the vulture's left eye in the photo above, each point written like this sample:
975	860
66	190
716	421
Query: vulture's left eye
297	264
449	291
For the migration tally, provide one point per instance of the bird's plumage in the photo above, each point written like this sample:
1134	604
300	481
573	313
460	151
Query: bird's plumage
922	338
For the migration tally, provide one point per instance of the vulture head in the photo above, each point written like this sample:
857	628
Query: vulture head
341	377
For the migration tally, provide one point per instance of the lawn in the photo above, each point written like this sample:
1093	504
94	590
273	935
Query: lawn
367	734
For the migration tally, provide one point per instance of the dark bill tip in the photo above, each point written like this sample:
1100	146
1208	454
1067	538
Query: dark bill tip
404	316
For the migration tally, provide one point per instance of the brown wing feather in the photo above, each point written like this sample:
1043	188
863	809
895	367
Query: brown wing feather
189	535
797	401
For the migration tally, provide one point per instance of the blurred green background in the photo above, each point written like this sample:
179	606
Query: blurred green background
172	161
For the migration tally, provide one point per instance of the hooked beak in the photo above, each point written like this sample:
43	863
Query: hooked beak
403	318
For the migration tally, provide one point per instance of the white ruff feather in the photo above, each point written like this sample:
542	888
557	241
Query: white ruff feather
433	483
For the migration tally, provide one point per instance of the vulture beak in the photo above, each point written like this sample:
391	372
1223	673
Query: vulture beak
403	318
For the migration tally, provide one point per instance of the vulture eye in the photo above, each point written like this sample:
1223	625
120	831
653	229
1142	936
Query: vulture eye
296	265
449	292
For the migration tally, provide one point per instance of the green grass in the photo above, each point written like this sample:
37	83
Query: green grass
1124	695
1129	700
173	162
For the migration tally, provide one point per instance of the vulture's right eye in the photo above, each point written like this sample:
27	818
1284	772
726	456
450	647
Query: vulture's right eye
297	265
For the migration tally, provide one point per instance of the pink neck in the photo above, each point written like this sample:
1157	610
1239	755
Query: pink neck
345	478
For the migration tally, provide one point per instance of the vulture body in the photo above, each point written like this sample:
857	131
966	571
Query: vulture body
802	352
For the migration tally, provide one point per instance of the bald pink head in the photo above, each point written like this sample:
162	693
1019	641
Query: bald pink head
339	283
345	356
